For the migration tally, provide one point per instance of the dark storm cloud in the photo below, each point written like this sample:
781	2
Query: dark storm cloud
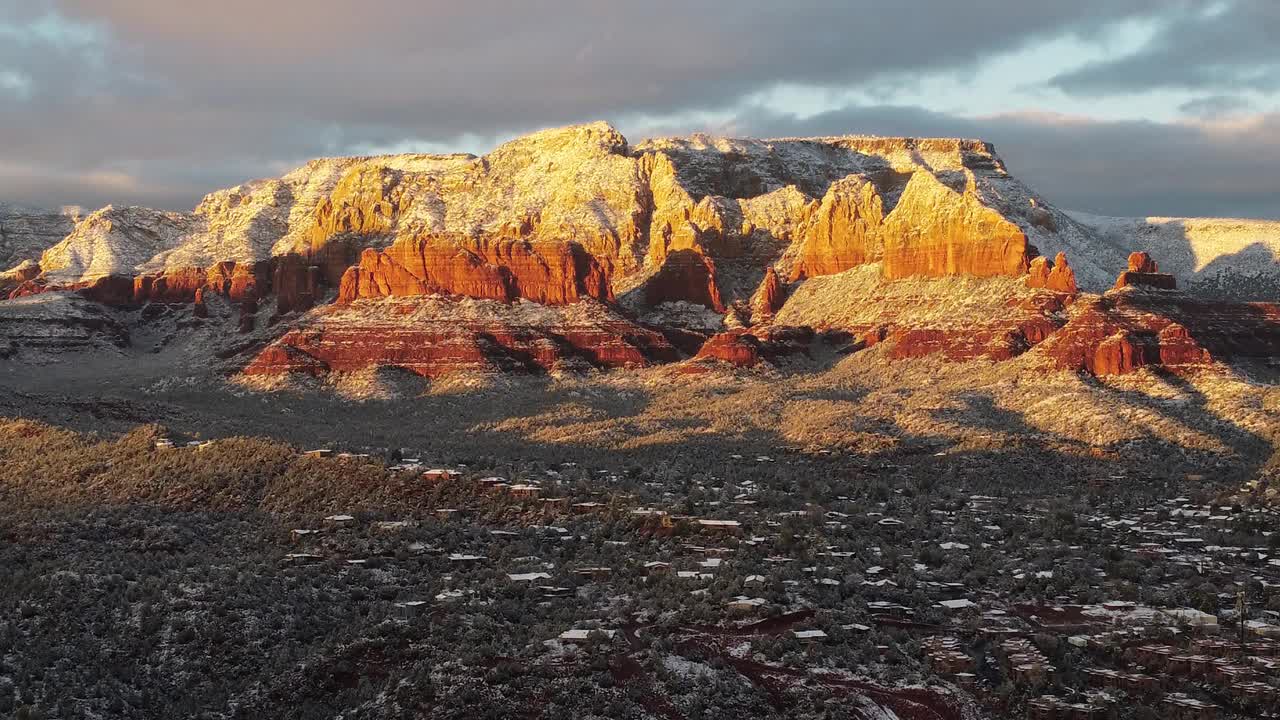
158	102
1216	106
1223	168
1213	46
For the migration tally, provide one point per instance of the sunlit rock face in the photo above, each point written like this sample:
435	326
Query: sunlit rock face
813	206
495	268
1056	275
694	235
436	335
1146	322
1144	272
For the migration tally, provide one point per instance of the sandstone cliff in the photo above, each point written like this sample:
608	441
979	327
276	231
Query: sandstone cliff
435	336
617	212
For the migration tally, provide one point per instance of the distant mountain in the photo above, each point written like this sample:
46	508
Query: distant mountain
27	232
923	245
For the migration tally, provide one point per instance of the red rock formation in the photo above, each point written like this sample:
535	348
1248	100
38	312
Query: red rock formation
1143	272
499	269
108	290
1056	275
237	282
1141	262
935	231
685	275
843	231
769	297
431	341
1158	281
736	347
1119	333
298	285
1038	272
1122	353
199	308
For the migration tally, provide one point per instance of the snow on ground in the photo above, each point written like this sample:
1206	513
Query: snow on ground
1215	256
861	296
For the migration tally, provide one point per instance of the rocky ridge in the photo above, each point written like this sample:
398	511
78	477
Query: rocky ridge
25	233
855	241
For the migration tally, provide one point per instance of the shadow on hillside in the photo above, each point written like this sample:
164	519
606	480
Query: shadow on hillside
1193	413
531	421
1239	276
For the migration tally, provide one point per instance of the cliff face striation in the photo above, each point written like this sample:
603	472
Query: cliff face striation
438	335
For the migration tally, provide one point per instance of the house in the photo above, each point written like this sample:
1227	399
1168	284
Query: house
582	636
725	527
438	474
809	636
1190	617
164	444
742	603
551	591
319	453
555	505
340	520
302	558
464	559
1255	695
527	577
946	656
1195	666
586	507
1132	683
1183	707
1225	673
1262	629
1042	708
1029	673
525	491
593	573
406	611
959	604
300	534
1152	656
657	567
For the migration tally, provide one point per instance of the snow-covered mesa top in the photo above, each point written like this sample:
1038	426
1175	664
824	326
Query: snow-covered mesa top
628	205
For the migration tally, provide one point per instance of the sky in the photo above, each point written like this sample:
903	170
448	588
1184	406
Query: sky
1117	107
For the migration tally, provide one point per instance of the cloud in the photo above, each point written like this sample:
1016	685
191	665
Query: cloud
1217	106
185	97
1228	45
